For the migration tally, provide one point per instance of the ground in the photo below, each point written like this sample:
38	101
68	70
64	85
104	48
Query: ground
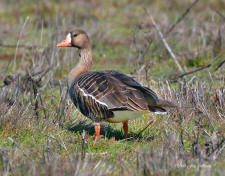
42	133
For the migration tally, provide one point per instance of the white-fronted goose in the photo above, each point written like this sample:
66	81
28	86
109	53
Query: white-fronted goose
105	95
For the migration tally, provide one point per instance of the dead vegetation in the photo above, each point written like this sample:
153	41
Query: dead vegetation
174	47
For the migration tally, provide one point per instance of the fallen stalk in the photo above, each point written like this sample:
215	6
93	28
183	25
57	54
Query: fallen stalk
165	43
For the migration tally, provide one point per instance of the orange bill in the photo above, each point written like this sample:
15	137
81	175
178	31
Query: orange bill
66	42
63	43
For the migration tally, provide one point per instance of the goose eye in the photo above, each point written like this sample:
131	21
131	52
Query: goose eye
74	35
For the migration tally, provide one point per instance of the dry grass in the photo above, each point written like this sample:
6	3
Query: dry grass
41	131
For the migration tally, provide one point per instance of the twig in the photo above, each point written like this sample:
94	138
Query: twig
42	73
220	14
182	138
18	42
178	21
83	152
202	68
139	133
17	92
14	143
133	42
59	143
47	150
220	65
194	71
36	104
220	146
195	145
34	90
207	115
62	107
165	43
17	45
180	18
42	104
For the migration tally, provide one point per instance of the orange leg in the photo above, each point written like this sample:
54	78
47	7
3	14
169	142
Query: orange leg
97	133
97	130
125	129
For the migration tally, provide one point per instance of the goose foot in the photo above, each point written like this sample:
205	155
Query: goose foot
97	138
97	133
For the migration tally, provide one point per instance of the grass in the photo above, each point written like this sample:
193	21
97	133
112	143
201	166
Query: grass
41	134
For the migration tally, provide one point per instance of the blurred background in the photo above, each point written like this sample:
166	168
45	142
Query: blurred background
177	48
120	32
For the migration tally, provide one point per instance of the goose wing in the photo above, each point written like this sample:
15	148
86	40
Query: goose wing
115	91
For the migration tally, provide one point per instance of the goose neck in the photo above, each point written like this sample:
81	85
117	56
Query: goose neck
83	66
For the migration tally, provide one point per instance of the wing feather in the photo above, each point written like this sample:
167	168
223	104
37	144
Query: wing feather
116	90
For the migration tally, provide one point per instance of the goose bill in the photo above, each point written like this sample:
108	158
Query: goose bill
66	42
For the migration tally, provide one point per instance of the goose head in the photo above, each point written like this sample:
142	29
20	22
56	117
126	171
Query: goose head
77	38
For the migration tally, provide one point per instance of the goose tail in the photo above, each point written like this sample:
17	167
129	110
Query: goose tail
162	106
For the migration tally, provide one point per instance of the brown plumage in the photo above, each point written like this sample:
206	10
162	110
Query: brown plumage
103	95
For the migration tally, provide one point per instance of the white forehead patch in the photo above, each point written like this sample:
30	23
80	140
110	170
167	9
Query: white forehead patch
68	38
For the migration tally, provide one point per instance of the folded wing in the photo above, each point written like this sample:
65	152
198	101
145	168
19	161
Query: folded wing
117	91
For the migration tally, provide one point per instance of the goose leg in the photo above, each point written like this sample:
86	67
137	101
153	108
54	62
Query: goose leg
97	132
125	129
97	129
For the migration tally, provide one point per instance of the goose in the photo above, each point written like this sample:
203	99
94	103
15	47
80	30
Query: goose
108	95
